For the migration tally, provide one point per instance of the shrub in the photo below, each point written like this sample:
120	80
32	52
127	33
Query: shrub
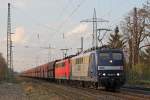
140	73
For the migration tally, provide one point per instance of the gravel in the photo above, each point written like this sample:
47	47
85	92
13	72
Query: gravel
31	89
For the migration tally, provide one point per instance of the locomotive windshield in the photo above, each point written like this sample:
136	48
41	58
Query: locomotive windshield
116	56
108	56
110	59
104	56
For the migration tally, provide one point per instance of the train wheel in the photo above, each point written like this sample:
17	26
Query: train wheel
96	86
107	88
83	84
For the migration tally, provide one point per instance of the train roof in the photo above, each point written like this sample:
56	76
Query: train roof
102	48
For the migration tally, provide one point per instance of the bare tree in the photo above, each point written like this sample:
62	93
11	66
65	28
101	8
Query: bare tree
136	27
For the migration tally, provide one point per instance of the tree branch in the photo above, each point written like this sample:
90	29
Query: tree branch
144	46
145	35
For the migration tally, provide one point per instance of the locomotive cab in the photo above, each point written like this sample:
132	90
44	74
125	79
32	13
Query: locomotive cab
111	68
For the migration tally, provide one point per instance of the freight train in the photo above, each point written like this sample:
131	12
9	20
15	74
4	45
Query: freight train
103	67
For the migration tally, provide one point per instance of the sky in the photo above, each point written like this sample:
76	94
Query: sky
40	24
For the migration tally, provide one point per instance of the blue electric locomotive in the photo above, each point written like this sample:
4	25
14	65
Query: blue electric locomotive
99	67
110	69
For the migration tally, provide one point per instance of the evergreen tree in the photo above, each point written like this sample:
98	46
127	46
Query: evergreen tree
116	40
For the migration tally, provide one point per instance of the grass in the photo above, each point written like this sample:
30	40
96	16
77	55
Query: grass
138	75
144	83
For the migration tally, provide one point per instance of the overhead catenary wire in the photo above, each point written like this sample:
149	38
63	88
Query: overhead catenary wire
66	19
65	8
43	25
34	19
71	14
49	29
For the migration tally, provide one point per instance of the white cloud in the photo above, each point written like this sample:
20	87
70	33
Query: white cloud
19	36
80	30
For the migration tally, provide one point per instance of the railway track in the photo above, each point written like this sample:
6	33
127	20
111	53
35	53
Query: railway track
78	93
137	89
121	94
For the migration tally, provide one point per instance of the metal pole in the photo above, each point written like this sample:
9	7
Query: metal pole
9	46
94	20
81	43
95	28
49	53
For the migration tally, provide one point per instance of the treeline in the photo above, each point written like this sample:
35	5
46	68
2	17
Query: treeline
135	40
3	67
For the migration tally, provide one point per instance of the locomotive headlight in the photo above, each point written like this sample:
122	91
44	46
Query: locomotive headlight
110	61
104	74
118	74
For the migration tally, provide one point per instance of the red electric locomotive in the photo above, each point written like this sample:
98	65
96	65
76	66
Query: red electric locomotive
62	69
